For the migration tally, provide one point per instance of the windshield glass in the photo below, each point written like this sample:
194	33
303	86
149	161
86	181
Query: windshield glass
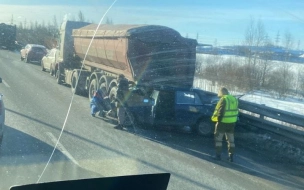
136	87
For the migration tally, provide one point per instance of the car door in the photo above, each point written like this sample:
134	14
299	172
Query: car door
163	108
49	59
188	107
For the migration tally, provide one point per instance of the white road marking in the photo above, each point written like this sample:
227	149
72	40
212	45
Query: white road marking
5	83
61	148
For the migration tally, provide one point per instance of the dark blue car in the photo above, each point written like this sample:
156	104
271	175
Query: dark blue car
182	109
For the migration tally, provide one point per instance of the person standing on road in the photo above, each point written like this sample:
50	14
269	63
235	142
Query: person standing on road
122	89
225	115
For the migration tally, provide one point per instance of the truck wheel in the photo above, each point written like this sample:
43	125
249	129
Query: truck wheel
42	66
92	88
75	89
58	76
204	127
103	88
51	70
26	60
112	94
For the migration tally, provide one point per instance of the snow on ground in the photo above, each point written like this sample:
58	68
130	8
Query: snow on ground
290	104
264	141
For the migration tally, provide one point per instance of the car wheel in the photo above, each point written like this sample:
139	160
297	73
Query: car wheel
204	127
42	66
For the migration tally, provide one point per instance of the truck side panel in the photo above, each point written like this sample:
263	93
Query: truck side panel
7	36
106	54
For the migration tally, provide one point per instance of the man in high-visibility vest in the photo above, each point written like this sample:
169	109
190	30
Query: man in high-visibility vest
225	115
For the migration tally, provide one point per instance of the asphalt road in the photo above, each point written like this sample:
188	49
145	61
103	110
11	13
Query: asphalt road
36	108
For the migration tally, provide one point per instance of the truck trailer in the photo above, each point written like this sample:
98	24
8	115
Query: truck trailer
153	58
7	36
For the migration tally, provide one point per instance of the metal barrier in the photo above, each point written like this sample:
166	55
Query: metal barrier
284	123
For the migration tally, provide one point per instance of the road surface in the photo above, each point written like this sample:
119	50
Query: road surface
36	108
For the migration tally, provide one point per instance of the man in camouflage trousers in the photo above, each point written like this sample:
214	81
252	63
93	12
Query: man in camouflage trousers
225	115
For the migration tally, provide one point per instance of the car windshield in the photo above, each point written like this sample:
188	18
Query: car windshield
38	49
211	92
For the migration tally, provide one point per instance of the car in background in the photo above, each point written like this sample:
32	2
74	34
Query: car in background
48	62
2	116
33	52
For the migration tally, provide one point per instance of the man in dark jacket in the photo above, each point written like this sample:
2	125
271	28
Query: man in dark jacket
225	115
122	89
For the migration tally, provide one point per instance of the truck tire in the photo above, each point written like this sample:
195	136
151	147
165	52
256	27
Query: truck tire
26	60
58	76
51	70
112	94
92	88
204	127
42	66
75	89
103	87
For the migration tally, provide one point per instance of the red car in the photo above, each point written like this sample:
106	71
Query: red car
33	52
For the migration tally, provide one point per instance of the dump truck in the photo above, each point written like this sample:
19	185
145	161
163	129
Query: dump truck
7	36
153	58
147	55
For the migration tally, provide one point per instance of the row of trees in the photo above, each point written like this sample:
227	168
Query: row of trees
280	79
256	70
46	34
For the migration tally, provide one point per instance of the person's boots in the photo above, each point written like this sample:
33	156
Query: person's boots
230	159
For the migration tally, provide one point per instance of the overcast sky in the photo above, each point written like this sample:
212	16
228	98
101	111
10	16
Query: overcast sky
213	20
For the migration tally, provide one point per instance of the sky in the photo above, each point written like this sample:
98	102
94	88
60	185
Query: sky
216	22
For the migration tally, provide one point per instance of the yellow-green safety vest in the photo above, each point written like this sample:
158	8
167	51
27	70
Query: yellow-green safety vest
231	110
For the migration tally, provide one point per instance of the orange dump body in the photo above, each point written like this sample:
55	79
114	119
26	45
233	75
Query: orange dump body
145	54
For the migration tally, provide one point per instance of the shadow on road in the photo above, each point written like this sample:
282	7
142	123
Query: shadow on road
200	147
23	158
247	159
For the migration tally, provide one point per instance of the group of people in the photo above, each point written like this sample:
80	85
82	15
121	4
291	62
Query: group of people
225	114
101	103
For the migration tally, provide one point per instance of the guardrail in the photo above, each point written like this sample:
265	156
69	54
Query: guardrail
284	123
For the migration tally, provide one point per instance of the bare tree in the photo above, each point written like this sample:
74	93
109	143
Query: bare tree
12	20
254	38
277	39
24	24
109	20
288	40
300	82
55	23
281	80
20	26
299	45
81	16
